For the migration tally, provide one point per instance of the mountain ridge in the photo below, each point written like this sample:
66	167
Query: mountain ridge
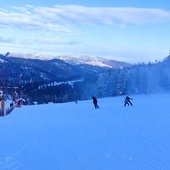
75	59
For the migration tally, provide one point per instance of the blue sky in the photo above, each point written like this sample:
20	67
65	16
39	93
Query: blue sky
126	30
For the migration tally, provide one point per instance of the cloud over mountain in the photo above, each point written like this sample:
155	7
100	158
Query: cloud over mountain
58	18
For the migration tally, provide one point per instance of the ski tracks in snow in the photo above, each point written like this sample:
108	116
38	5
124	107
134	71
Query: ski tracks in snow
11	161
133	145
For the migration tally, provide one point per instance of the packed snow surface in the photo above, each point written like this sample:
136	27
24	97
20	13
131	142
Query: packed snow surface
72	136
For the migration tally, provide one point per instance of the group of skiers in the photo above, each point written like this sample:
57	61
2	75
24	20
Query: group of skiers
126	102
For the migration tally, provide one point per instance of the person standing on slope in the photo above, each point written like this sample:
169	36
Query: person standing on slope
95	102
127	101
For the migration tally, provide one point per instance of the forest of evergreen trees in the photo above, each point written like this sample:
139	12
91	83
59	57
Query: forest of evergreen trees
137	79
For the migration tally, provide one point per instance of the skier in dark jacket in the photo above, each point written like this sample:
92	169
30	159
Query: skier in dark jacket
95	102
127	101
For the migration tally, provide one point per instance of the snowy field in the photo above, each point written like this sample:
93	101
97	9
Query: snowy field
74	136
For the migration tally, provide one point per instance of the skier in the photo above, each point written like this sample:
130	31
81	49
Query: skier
127	101
95	102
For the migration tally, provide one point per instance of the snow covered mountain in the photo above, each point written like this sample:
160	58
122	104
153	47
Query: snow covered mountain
80	60
35	70
92	60
38	77
32	56
38	70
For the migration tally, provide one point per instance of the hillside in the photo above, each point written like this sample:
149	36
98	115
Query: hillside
49	68
36	75
80	60
79	137
57	80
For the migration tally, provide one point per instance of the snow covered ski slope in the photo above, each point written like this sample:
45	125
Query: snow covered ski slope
73	136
